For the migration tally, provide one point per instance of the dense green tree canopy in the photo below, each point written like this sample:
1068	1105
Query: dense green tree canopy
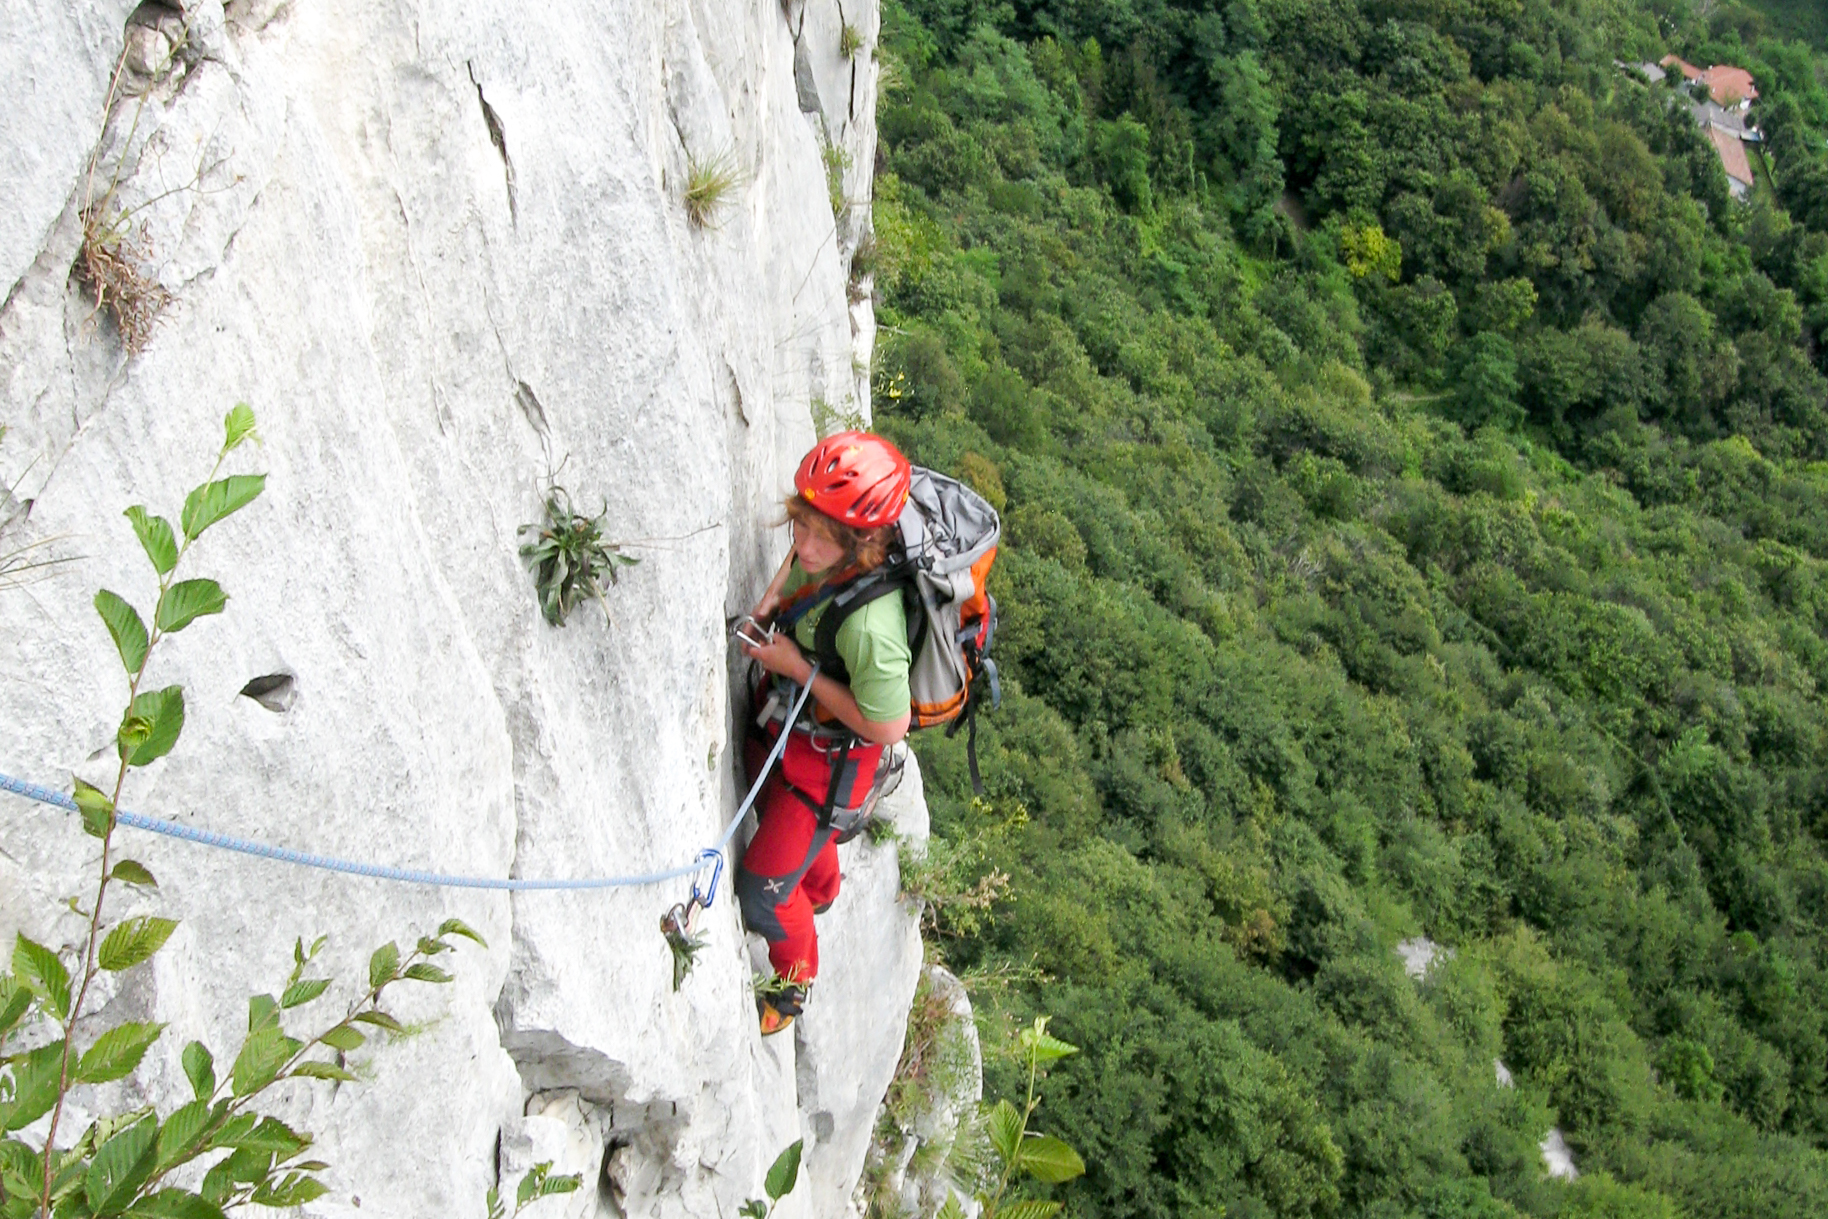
1413	525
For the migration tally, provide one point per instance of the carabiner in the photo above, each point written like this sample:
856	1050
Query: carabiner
703	897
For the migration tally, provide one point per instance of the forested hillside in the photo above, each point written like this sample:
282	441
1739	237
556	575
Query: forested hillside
1416	524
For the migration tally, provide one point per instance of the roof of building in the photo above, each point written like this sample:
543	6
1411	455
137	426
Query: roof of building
1712	114
1732	155
1726	84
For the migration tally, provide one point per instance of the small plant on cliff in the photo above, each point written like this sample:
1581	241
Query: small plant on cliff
569	557
837	160
850	41
708	185
1021	1151
947	877
114	251
783	1175
538	1183
130	1163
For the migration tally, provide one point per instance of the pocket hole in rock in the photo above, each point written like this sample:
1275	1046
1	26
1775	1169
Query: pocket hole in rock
275	691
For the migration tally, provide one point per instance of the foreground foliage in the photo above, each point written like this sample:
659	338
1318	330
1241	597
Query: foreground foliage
217	1151
1407	456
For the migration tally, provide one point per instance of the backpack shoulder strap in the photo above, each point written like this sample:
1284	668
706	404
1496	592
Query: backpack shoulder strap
871	587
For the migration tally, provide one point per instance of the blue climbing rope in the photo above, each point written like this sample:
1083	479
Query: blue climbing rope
709	857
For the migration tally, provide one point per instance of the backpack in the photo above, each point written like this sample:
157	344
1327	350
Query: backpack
948	542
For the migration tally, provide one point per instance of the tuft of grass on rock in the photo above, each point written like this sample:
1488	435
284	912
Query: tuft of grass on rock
109	266
709	183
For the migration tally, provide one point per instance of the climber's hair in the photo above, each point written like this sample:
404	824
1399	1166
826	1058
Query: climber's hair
865	548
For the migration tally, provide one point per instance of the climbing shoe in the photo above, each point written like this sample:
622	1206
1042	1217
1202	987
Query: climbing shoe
779	1006
822	907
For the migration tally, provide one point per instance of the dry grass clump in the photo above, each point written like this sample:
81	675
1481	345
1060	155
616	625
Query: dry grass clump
109	267
709	183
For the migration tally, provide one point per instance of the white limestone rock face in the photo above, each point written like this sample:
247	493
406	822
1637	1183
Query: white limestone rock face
441	249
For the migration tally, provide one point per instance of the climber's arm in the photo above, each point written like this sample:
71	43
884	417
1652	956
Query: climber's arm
771	599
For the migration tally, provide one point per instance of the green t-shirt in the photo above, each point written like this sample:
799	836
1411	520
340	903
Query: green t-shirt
873	643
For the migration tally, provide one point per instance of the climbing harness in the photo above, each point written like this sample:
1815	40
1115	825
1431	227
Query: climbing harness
711	857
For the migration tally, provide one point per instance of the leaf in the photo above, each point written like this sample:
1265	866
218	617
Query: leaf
262	1055
419	971
124	626
295	1190
784	1172
232	1131
953	1209
275	1136
117	1052
96	809
1046	1158
213	501
132	872
753	1209
163	713
35	1079
40	969
133	941
313	1069
15	1001
216	1184
1004	1126
200	1069
120	1166
430	947
263	1010
383	966
344	1038
564	1183
300	993
1028	1208
155	538
237	426
1042	1048
529	1184
380	1020
174	1204
182	1132
454	926
186	601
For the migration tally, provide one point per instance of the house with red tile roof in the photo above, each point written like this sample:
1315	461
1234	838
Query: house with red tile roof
1724	118
1729	86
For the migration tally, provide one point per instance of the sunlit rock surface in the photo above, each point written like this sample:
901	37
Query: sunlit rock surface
442	250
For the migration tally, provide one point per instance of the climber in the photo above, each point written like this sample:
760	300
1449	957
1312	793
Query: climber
849	491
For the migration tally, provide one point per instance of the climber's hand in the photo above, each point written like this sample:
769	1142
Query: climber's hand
781	655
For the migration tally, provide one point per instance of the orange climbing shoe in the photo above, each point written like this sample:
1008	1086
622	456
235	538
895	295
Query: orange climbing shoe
779	1007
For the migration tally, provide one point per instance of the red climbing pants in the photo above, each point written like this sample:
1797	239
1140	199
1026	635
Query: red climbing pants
792	862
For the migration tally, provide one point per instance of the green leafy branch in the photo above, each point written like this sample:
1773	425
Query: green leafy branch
782	1176
1022	1151
148	730
121	1164
538	1183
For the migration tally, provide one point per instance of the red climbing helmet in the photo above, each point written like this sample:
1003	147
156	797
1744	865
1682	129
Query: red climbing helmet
856	478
